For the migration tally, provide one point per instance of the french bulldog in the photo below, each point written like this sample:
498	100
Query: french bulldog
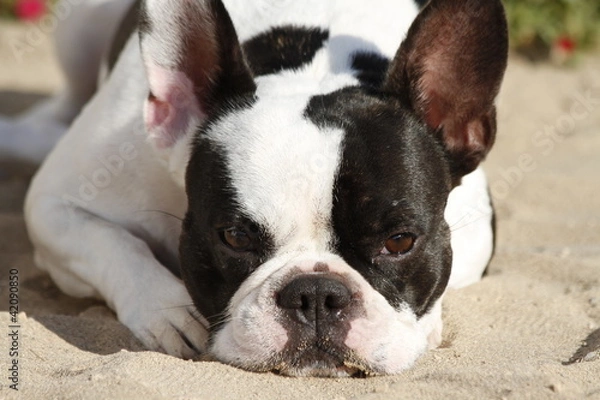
286	186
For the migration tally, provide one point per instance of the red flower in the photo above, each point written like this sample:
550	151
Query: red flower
30	10
565	44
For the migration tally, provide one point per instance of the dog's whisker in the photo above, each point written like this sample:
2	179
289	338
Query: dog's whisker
221	319
176	307
456	227
453	225
168	214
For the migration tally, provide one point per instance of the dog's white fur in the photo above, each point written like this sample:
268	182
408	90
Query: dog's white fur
92	208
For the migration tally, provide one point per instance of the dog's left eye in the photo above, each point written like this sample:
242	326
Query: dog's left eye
237	239
399	244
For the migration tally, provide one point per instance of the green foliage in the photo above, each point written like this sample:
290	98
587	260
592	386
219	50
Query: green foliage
7	8
535	22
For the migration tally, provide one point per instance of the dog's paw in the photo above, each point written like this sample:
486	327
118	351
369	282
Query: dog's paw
164	319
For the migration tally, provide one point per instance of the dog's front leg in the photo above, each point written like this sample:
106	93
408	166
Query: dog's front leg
88	256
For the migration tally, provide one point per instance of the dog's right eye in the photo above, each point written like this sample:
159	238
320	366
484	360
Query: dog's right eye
399	244
237	239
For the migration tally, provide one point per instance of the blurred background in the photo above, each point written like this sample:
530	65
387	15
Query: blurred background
556	30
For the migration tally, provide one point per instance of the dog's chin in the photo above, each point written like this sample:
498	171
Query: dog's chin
315	362
322	370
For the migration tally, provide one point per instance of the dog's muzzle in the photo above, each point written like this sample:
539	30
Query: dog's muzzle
316	310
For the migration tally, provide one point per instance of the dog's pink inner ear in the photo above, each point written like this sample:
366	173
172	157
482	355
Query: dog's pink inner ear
172	108
449	68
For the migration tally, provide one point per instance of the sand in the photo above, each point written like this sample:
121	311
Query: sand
506	337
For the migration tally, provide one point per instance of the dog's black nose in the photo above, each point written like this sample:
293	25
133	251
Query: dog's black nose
314	298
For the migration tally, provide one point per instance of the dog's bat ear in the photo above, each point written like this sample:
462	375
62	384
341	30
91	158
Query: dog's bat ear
449	69
194	64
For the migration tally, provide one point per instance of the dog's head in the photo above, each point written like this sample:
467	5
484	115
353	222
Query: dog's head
315	240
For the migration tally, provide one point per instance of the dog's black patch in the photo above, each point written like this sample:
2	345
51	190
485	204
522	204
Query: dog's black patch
211	271
393	178
282	48
421	3
126	29
370	68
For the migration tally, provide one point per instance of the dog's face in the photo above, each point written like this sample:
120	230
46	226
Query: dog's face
315	241
315	237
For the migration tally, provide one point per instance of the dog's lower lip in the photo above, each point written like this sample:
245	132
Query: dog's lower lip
347	370
335	372
316	361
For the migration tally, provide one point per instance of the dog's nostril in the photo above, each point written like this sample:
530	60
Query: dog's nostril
305	303
338	301
314	297
337	296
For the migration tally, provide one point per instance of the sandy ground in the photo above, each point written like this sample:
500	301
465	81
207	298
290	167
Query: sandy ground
506	337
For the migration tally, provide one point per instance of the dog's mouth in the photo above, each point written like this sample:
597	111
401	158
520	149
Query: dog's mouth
322	362
347	370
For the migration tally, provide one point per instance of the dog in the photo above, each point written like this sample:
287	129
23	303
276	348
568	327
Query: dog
282	186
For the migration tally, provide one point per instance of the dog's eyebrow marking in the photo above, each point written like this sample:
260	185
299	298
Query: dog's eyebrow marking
370	68
283	48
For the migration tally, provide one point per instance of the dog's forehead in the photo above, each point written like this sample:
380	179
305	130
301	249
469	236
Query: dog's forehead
282	167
